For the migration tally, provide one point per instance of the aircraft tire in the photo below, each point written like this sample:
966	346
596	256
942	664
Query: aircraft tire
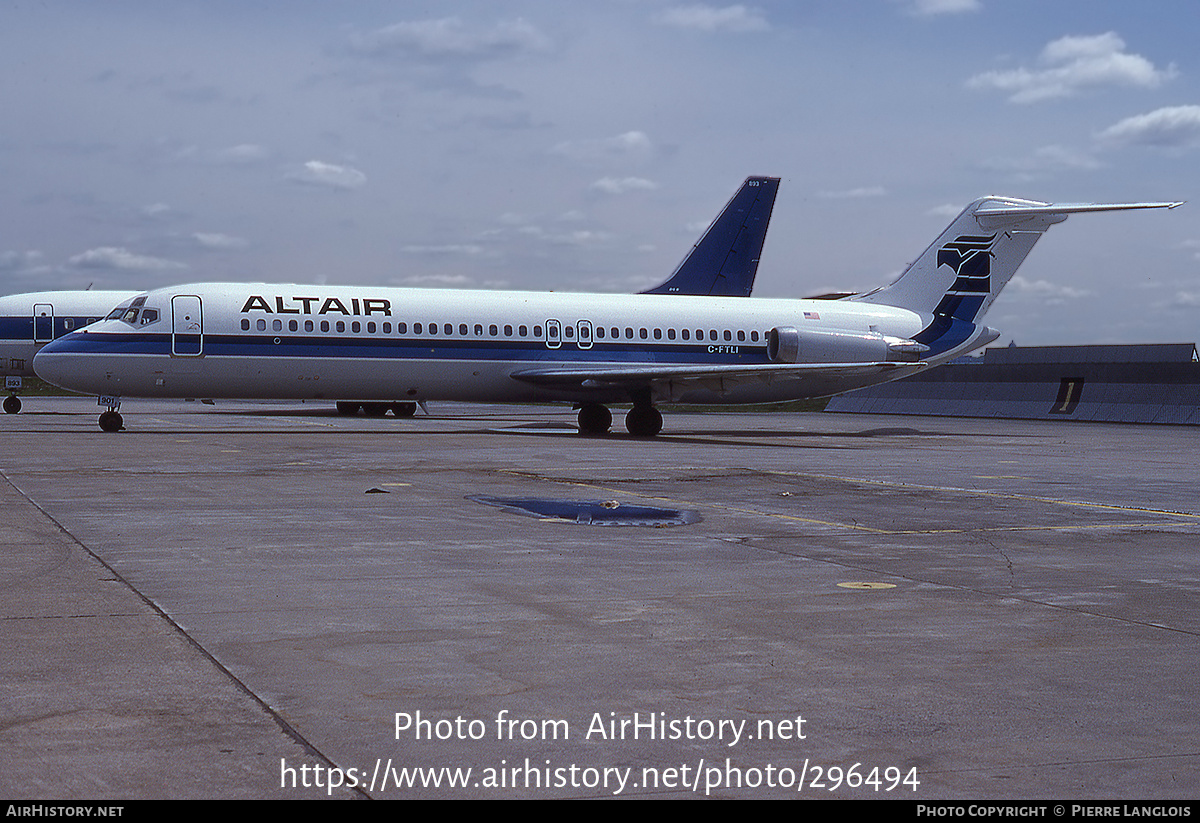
594	419
375	409
111	421
12	404
347	408
401	409
644	421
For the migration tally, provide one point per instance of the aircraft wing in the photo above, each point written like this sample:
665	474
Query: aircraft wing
825	378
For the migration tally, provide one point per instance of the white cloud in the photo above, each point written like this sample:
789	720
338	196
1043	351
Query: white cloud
241	154
449	38
1043	291
1047	159
709	18
581	237
947	210
1173	126
932	8
854	194
217	241
450	281
469	249
328	175
613	185
111	257
1073	64
631	145
15	261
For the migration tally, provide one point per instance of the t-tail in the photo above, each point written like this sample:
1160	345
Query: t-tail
724	262
958	277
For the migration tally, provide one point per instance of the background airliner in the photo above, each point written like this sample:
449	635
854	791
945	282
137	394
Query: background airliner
242	340
723	262
30	321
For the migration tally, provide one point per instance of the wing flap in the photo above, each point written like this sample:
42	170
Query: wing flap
708	376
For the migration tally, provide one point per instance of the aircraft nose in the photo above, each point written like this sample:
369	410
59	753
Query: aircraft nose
57	363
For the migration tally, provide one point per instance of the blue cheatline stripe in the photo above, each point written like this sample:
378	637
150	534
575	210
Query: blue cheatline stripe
20	328
418	349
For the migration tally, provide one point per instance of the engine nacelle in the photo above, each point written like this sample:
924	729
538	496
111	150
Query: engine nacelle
787	344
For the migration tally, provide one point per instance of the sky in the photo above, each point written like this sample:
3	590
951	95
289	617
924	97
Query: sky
585	146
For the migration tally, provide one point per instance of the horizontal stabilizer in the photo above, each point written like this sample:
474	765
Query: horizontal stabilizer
1069	208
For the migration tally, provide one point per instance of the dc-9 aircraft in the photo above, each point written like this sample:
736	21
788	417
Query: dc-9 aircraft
239	340
723	262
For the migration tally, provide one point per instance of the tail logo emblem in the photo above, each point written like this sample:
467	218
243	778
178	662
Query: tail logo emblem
970	257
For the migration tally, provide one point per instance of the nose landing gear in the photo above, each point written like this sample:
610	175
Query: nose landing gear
111	420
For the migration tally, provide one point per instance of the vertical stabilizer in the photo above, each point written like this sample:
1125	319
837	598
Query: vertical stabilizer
724	261
964	270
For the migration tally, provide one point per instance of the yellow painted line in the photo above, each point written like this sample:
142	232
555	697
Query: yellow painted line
999	495
395	484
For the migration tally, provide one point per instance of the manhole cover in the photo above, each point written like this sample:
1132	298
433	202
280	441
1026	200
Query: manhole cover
591	512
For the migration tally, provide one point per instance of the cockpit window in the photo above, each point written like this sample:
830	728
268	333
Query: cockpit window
134	314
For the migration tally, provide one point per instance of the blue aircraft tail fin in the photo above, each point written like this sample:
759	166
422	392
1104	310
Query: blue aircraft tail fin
724	261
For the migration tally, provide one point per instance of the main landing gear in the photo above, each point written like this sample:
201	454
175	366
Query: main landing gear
643	420
401	408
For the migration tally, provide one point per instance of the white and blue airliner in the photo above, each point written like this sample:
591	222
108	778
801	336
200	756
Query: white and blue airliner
404	346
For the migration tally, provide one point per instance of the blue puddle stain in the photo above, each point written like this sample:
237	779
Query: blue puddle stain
591	512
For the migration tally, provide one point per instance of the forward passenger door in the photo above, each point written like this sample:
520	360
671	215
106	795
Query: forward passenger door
187	326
